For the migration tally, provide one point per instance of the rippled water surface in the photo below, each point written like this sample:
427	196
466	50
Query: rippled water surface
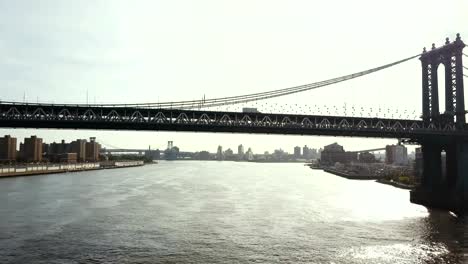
219	212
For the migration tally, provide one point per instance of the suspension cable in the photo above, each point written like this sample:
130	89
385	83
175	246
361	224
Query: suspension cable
286	91
252	97
263	95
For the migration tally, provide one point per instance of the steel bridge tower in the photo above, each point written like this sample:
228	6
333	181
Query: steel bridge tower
447	190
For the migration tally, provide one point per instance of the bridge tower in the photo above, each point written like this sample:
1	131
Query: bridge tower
450	55
447	190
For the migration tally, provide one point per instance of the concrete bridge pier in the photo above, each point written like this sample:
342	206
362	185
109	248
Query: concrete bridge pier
449	190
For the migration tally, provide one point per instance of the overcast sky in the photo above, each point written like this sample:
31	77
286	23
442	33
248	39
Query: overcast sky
150	51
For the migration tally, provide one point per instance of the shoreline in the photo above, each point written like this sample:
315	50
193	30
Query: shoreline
363	177
37	170
396	184
349	176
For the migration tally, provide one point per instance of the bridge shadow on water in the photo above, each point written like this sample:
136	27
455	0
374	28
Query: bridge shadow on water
449	230
442	236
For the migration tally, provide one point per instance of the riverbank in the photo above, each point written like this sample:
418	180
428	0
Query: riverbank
41	169
367	177
350	176
396	184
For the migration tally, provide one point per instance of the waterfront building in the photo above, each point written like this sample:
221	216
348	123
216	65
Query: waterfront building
367	157
32	149
79	147
92	150
396	155
203	155
57	148
153	154
63	157
60	152
7	149
335	153
45	147
297	152
171	152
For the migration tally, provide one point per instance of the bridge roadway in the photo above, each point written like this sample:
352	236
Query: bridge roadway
142	151
54	116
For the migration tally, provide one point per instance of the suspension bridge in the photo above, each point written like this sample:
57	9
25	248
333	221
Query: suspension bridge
435	131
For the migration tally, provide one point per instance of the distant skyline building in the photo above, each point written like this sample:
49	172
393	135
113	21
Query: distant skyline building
240	152
297	152
306	152
229	154
280	155
8	148
313	153
249	154
219	153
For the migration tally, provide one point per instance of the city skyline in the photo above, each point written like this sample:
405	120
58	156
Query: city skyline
124	52
240	149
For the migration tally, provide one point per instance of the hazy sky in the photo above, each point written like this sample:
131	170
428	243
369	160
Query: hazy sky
150	51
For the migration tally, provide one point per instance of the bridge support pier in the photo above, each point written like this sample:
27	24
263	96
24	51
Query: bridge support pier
449	191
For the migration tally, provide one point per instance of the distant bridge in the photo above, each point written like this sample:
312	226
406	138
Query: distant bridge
367	150
181	154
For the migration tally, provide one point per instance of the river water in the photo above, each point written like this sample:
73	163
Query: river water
219	212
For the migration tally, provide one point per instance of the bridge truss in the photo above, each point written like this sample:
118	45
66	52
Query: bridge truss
129	118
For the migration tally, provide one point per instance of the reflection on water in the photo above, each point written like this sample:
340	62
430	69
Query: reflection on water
219	212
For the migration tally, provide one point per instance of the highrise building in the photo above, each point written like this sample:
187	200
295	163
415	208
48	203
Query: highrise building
396	154
79	147
92	150
7	148
58	148
32	149
240	152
